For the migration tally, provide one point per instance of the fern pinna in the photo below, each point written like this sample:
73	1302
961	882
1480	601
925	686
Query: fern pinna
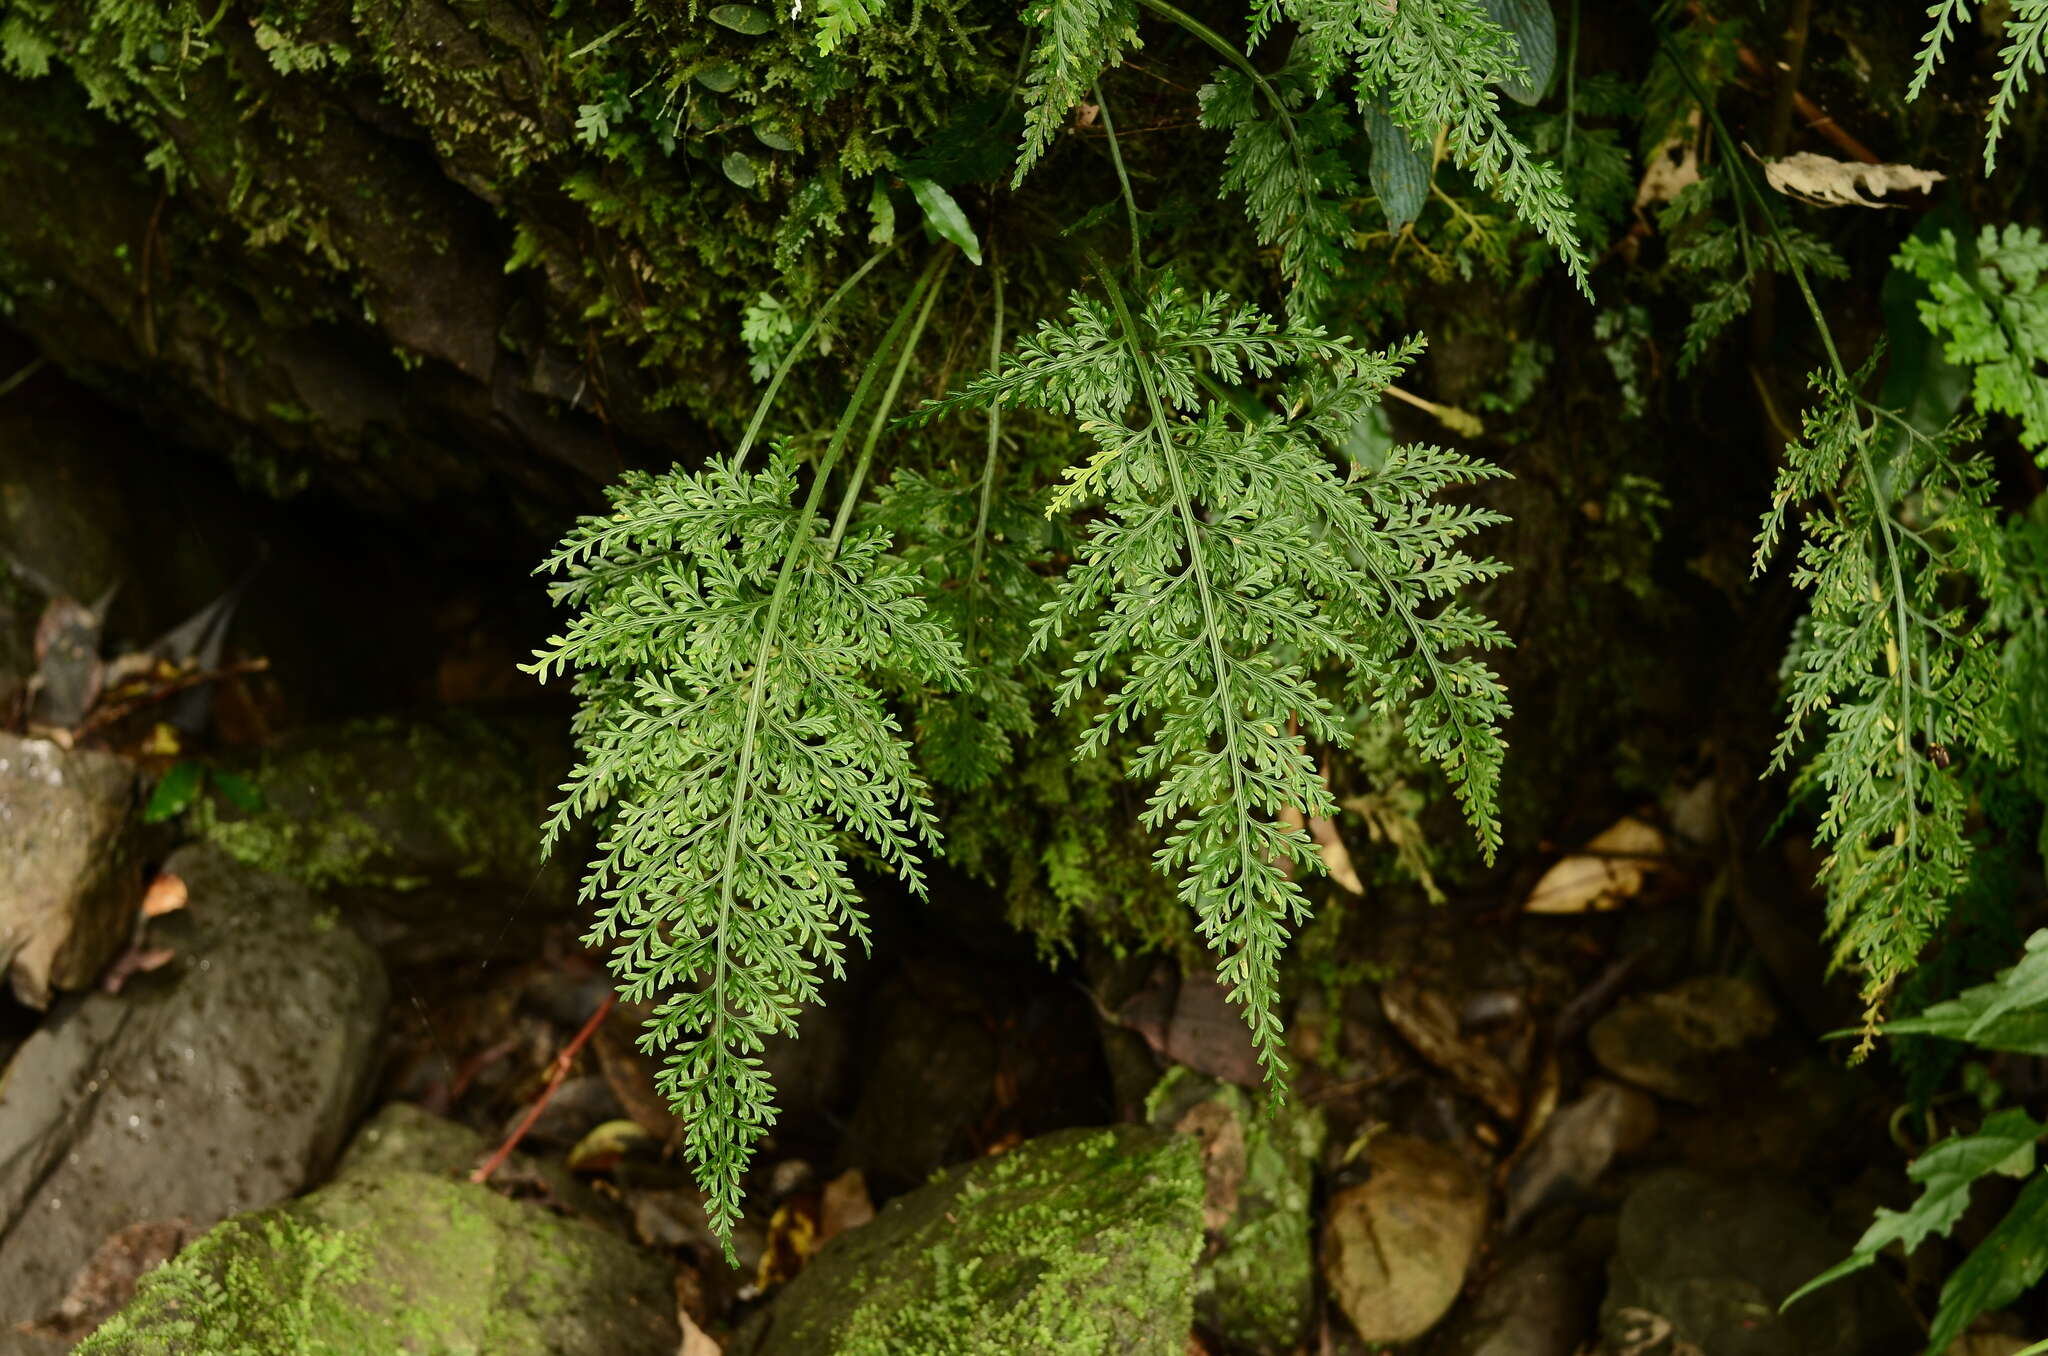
1232	564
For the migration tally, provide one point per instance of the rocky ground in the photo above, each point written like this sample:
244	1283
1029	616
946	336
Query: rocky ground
265	1025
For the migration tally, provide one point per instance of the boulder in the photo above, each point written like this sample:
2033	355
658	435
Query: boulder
1708	1261
1073	1244
222	1082
70	871
1396	1247
397	1255
1255	1284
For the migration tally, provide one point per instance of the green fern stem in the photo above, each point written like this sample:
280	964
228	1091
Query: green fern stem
929	285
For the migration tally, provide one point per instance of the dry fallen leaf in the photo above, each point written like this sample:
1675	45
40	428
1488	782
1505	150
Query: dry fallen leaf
844	1205
1604	874
136	960
1336	857
1673	168
1426	1021
696	1342
166	894
1825	182
606	1144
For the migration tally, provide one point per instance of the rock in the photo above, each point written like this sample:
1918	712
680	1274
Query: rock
1669	1041
1541	1303
1712	1259
1987	1344
1576	1147
223	1082
1076	1243
929	1073
1255	1284
1396	1247
396	804
390	1257
70	870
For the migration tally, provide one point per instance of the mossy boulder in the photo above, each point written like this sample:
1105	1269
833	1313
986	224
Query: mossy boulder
1074	1244
1255	1284
396	804
393	1258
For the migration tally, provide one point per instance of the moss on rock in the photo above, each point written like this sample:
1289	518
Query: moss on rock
1075	1244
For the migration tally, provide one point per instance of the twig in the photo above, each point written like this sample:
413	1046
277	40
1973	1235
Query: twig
540	1103
107	715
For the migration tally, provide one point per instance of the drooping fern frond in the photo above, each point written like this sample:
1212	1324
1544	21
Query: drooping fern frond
1231	564
731	740
1901	549
1990	304
1080	40
1721	260
1286	160
1438	67
2025	54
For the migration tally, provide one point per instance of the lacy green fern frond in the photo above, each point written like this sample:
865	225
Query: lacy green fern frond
2024	54
1990	305
1288	164
731	740
1230	564
1438	67
1899	555
839	20
1081	39
1723	259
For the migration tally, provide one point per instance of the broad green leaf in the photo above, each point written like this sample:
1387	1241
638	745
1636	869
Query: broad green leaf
720	79
739	169
743	19
943	215
2009	1013
1534	27
1400	168
2012	1257
174	792
1946	1172
240	792
773	137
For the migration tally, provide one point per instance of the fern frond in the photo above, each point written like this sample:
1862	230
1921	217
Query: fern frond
1231	563
1081	39
2025	54
839	20
1894	667
1993	313
732	739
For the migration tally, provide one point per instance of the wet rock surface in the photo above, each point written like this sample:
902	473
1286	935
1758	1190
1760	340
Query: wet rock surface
223	1082
1078	1242
70	864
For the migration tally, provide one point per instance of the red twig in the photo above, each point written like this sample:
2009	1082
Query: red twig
562	1063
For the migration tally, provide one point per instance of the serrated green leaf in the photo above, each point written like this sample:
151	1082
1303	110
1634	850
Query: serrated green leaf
943	215
719	79
174	792
1534	26
2006	1265
743	19
240	792
2009	1013
2003	1145
739	169
1400	170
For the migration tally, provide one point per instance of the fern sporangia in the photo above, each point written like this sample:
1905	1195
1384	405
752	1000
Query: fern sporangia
1231	564
732	737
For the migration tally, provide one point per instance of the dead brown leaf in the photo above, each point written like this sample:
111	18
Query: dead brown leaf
844	1205
107	1281
1822	181
696	1342
1217	1130
1606	873
1427	1022
166	894
136	960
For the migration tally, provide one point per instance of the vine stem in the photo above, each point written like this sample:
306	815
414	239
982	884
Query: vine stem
935	271
995	435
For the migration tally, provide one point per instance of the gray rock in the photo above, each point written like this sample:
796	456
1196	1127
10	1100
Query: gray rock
1708	1261
1541	1303
1576	1147
1255	1285
397	1257
1079	1241
221	1083
70	874
1672	1042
